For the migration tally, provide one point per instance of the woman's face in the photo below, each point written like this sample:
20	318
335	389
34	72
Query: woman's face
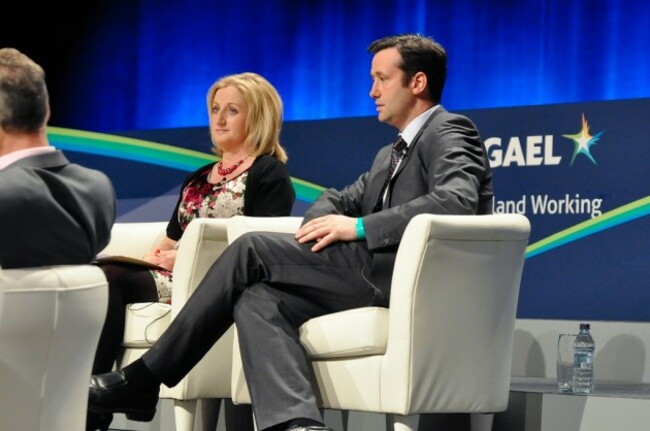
228	119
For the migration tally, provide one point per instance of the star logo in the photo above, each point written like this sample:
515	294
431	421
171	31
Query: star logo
583	142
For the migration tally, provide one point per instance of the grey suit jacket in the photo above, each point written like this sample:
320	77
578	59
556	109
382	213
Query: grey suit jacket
446	171
53	212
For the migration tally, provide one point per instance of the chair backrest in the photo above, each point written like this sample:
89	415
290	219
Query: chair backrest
50	321
203	242
134	239
240	225
452	313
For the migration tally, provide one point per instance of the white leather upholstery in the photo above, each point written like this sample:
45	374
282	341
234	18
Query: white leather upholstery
134	239
239	225
325	337
145	323
203	241
444	345
50	322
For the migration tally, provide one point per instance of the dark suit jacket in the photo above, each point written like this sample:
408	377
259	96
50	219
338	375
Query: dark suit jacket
446	171
53	212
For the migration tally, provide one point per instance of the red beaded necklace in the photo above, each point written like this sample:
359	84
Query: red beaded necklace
227	171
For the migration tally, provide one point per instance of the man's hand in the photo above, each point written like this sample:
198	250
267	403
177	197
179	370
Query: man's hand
327	230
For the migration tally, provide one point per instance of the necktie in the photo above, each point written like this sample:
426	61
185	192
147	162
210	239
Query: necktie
399	149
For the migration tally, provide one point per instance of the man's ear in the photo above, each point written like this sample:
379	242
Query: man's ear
419	83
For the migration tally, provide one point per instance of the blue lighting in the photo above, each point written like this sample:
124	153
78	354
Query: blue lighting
147	64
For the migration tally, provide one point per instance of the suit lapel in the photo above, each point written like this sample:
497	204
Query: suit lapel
376	183
416	139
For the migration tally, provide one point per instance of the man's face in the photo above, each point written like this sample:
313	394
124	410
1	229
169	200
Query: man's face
395	102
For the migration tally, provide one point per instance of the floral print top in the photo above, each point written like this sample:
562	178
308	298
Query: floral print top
201	198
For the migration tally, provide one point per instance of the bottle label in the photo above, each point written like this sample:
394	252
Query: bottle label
582	360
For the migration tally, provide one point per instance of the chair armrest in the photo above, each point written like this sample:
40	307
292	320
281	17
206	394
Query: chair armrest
432	242
203	242
464	271
240	225
135	239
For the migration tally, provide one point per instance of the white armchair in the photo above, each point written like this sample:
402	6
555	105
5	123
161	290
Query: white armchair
444	345
50	322
203	241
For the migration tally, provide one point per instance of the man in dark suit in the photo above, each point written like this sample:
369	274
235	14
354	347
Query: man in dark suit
341	258
52	212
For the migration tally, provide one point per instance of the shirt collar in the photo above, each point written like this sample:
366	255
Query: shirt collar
14	156
412	129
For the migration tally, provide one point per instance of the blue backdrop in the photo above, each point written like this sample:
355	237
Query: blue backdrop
589	205
146	64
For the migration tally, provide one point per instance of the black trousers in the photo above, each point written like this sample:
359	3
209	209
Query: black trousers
127	284
268	284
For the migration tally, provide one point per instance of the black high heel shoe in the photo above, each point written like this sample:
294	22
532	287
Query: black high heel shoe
111	393
98	421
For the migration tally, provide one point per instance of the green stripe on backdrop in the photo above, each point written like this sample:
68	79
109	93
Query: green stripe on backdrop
615	217
188	160
138	150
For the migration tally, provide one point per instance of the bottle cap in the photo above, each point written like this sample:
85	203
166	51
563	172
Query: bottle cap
584	326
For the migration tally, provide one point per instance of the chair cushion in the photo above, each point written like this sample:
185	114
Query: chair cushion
145	322
356	332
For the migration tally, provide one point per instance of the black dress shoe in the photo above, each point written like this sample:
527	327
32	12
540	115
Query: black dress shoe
111	393
98	421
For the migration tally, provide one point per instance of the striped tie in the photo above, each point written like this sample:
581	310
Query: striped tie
399	149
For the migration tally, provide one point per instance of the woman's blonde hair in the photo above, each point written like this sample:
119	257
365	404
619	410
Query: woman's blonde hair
264	120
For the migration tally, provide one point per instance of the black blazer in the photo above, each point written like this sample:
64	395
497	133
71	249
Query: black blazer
53	212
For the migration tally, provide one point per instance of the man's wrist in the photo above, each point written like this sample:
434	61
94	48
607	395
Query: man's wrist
361	233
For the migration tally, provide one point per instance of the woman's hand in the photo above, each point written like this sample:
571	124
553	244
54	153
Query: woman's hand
164	258
164	255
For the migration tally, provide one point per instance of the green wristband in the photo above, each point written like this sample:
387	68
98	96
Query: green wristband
361	233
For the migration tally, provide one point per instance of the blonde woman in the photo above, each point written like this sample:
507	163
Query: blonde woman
251	179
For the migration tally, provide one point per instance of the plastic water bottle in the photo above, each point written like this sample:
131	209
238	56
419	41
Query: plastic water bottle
583	361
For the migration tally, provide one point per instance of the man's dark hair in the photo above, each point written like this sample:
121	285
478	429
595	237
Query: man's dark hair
24	101
419	54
